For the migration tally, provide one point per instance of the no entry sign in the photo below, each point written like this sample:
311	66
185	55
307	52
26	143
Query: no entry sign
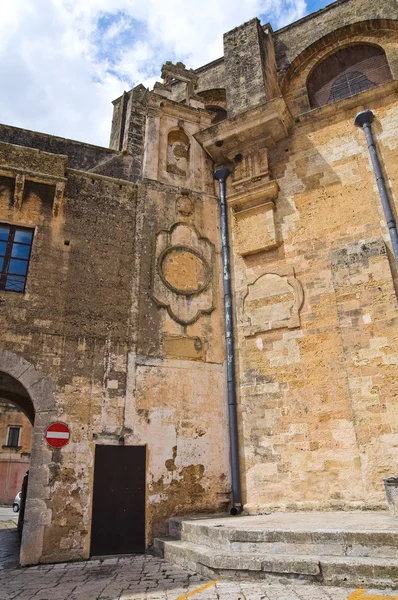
57	435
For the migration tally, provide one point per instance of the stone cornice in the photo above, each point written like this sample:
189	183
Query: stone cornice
266	193
266	124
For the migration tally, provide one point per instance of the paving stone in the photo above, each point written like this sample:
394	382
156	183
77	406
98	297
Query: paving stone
145	578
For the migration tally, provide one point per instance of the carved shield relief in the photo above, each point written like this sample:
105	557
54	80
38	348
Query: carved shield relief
271	301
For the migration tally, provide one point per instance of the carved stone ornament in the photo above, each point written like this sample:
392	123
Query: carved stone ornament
178	153
272	301
47	169
178	72
183	273
185	206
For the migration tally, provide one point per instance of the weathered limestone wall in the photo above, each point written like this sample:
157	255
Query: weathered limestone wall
122	317
73	325
81	156
175	391
211	76
317	321
250	74
120	331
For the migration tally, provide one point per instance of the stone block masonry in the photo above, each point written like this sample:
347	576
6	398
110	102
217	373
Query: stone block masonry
119	331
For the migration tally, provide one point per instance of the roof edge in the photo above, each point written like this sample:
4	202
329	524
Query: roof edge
310	16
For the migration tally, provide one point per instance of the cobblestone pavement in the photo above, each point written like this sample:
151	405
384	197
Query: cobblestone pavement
9	548
146	577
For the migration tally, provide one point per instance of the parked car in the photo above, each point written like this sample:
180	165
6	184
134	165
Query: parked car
17	502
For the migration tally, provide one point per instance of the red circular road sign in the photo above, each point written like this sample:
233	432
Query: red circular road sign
57	435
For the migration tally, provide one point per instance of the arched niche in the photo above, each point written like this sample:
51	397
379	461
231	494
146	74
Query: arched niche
178	152
348	71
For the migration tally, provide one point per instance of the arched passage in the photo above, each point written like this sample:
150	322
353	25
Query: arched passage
13	391
25	386
16	428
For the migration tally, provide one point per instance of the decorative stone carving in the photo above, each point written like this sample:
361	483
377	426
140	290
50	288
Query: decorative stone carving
185	206
58	197
178	72
272	301
178	153
252	164
183	270
48	169
19	190
253	203
188	348
183	273
253	207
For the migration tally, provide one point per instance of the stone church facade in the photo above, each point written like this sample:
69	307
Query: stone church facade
111	302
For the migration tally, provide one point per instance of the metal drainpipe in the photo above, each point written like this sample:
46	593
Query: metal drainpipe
364	119
221	175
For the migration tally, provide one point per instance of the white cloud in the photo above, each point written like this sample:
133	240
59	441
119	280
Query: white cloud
63	61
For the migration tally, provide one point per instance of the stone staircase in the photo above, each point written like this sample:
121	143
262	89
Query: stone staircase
355	549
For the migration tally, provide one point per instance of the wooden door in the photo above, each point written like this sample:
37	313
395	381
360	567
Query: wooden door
118	516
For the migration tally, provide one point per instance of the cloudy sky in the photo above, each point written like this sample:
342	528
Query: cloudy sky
62	62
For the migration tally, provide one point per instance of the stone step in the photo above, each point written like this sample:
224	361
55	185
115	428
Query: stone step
281	535
282	568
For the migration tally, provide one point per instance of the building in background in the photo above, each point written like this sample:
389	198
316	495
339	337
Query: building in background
16	444
111	303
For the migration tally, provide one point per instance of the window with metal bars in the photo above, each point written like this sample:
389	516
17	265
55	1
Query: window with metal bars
15	249
348	71
13	437
349	84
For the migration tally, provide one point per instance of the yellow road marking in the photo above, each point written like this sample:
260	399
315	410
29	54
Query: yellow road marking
360	595
200	589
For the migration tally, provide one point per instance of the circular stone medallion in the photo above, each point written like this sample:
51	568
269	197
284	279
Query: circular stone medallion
183	270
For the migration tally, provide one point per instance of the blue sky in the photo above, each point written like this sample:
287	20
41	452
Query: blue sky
314	5
64	61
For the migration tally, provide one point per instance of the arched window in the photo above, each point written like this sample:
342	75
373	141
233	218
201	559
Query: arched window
347	72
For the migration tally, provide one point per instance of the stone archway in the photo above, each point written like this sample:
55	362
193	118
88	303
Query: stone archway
40	390
13	391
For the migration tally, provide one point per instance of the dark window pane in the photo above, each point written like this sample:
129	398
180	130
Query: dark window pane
13	437
15	247
15	284
348	84
18	267
4	233
19	251
24	236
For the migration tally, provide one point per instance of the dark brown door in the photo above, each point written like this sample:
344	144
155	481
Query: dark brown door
118	519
